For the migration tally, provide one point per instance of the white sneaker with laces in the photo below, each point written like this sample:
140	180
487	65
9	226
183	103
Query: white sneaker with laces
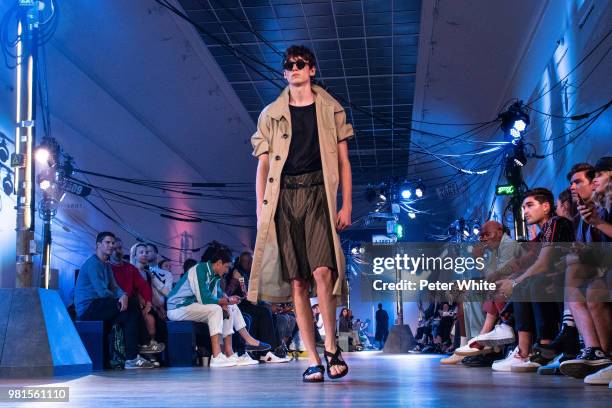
506	363
270	357
242	360
222	361
524	365
468	350
501	335
601	377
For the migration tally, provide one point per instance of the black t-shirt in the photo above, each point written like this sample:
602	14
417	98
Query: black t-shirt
304	152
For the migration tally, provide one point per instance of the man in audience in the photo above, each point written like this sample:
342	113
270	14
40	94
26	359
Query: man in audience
592	314
533	314
262	323
503	250
197	296
98	297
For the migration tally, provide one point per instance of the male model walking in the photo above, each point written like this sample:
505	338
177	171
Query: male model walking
301	145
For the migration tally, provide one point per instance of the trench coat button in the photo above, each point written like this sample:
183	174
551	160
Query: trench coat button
271	179
277	158
265	201
285	136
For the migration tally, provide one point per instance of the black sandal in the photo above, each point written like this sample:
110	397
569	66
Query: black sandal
318	369
333	359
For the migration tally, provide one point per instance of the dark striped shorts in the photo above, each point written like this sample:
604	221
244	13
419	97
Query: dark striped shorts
303	227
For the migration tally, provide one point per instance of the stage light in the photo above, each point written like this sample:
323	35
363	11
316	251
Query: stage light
476	228
466	232
42	155
7	185
519	125
45	184
406	194
412	215
4	152
381	197
354	251
520	158
514	121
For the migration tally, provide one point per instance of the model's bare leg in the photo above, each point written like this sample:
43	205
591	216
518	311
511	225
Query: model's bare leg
327	305
305	322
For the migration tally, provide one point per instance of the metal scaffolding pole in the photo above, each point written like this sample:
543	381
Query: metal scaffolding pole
23	162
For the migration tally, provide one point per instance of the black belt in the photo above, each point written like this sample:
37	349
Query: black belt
301	185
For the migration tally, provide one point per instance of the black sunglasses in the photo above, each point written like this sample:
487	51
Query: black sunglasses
288	65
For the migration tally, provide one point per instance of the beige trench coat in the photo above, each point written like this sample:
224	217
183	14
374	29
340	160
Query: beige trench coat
273	136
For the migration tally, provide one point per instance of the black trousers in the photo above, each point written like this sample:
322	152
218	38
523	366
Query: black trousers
107	309
262	324
541	318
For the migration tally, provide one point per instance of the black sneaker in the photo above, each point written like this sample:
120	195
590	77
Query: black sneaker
566	342
589	361
481	360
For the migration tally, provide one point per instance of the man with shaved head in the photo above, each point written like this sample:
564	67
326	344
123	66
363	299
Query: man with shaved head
503	251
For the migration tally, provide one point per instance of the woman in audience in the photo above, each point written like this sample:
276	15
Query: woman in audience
138	258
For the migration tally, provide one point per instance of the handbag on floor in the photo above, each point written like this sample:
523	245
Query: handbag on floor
116	347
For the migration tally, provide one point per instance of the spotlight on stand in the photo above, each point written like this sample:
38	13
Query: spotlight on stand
412	215
514	121
476	227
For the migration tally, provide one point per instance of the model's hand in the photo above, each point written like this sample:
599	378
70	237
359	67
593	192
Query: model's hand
343	219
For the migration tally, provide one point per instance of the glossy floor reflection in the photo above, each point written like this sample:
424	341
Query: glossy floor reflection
375	380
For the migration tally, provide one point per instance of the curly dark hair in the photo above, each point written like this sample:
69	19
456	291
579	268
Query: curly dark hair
295	51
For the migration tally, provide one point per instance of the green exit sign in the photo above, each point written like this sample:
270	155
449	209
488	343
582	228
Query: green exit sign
507	189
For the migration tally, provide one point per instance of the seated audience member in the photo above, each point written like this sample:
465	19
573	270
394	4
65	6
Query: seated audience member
197	297
537	317
503	250
262	322
152	321
286	327
161	281
98	297
317	321
566	344
345	325
589	296
189	262
132	283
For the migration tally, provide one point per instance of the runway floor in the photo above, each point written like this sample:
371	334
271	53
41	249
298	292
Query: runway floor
375	380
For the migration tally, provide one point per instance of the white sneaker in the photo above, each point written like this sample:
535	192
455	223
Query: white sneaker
502	334
524	365
245	360
270	357
222	361
469	350
452	359
601	377
506	363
